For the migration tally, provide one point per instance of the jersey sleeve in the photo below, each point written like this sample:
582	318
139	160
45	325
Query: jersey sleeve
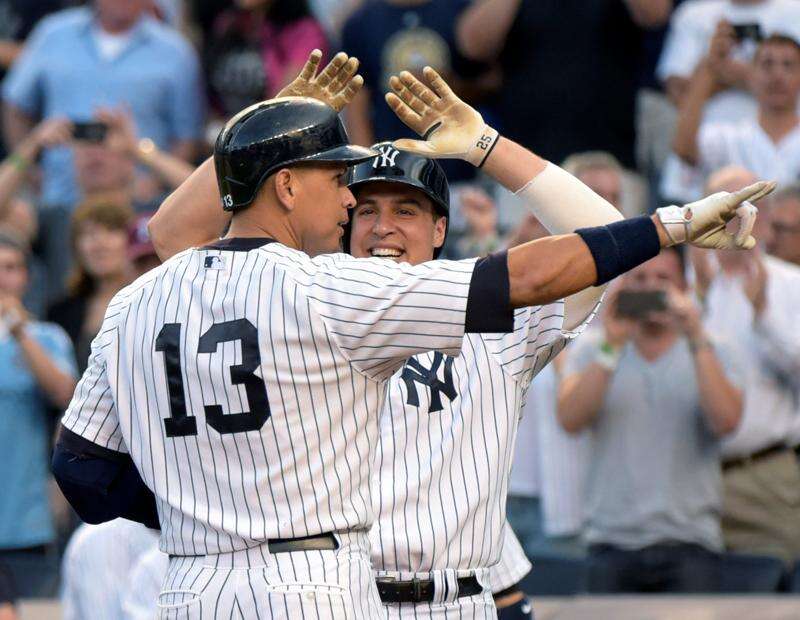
92	413
513	564
539	336
380	312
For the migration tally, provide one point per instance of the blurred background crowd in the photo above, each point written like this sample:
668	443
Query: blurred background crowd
658	453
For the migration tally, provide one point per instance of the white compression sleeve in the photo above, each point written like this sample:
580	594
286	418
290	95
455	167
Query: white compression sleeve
563	204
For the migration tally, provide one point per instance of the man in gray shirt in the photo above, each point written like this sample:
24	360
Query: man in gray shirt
657	396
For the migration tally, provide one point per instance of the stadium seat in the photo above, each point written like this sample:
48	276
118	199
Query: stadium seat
750	573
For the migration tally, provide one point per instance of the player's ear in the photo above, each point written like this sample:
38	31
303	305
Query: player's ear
439	231
286	188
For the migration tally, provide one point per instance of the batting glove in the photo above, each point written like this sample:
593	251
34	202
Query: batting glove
702	223
335	85
452	129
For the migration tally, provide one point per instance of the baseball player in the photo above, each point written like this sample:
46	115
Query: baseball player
445	586
97	567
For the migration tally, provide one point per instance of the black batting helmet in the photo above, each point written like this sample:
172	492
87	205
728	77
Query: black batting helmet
274	134
395	166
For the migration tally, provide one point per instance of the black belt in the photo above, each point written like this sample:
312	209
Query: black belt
421	590
317	542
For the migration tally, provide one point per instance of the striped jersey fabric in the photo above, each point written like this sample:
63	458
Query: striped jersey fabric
245	381
446	443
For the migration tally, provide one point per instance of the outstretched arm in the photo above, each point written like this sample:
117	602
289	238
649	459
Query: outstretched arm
560	201
192	215
598	253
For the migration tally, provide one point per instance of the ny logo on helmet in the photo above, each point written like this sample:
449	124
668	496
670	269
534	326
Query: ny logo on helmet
414	372
386	158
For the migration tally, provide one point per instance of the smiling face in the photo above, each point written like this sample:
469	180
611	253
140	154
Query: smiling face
395	221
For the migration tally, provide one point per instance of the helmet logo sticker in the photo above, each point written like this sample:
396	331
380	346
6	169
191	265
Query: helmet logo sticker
388	154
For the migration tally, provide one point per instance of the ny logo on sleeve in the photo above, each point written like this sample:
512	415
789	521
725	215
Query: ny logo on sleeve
414	372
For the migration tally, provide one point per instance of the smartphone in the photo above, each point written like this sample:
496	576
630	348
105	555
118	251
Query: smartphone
91	131
747	31
638	304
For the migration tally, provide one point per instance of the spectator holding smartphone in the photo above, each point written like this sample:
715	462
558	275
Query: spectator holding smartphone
109	53
112	164
767	144
729	31
656	396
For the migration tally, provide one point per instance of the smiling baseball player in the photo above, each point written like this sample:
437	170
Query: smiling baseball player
529	337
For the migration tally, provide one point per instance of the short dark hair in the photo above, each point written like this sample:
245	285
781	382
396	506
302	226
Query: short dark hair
777	39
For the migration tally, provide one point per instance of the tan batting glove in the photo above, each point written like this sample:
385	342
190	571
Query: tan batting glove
451	128
336	85
702	223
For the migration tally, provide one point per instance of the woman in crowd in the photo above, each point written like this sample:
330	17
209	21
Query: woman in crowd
99	247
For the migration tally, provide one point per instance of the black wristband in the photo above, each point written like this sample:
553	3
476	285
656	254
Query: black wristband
621	246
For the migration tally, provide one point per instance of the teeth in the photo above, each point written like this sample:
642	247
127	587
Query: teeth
386	252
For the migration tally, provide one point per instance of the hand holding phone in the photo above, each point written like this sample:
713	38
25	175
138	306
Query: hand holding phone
637	305
89	131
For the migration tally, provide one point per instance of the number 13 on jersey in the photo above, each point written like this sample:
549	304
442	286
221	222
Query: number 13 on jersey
181	423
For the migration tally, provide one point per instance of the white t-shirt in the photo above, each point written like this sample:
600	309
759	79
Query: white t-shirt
110	45
690	33
746	144
549	462
770	413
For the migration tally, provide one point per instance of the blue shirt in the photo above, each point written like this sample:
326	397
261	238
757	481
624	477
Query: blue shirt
25	516
61	73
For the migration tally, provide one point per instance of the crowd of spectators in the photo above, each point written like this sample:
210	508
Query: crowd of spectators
657	453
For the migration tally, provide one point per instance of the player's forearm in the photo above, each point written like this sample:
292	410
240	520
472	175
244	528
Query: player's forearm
720	400
482	29
191	216
549	269
685	143
54	382
553	268
580	396
561	202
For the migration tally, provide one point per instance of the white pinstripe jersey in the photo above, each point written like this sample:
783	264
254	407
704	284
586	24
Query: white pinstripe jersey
513	564
446	443
246	385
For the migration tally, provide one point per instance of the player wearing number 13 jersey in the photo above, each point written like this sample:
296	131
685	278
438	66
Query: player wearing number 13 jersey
236	389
